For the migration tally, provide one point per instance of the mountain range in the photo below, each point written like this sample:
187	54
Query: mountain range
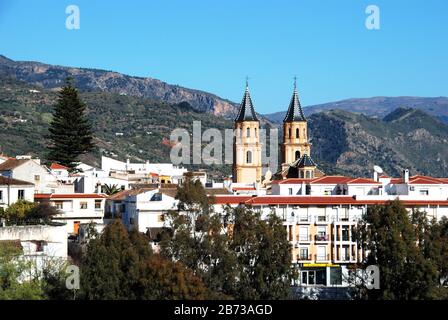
376	107
132	118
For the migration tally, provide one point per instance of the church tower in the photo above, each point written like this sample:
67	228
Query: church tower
295	132
247	146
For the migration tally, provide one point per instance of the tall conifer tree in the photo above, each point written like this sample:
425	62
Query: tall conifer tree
70	130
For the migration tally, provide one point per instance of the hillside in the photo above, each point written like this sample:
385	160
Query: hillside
52	77
351	143
377	107
145	125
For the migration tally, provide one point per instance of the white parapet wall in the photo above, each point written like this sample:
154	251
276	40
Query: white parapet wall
46	241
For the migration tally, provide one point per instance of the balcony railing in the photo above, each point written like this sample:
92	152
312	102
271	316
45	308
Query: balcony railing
304	257
325	257
305	238
321	237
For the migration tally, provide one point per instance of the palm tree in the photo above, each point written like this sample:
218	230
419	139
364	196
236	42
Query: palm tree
110	189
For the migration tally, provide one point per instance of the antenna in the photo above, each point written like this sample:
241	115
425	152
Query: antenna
378	169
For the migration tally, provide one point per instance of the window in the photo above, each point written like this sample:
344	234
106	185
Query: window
248	132
297	133
39	246
97	204
1	195
255	131
290	191
249	157
303	254
21	194
36	177
58	205
160	218
83	205
424	192
156	197
297	154
308	174
289	132
411	188
304	133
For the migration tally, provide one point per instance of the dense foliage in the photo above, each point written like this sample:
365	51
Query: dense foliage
410	251
70	129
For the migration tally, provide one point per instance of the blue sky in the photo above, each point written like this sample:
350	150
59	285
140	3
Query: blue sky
212	45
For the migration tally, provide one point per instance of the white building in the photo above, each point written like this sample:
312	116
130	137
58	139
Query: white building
39	243
30	170
12	190
76	208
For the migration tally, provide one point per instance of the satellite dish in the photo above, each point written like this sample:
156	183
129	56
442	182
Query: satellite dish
378	169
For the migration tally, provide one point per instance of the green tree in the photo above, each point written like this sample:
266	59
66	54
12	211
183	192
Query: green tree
70	130
121	265
236	254
396	242
264	256
18	277
110	189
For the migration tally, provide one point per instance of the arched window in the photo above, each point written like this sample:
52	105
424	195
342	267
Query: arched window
248	132
297	133
297	154
289	132
249	157
256	132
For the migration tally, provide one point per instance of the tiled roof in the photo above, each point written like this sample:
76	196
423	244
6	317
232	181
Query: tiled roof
293	181
12	164
57	166
362	181
14	182
306	161
331	180
231	199
295	112
69	196
316	200
247	111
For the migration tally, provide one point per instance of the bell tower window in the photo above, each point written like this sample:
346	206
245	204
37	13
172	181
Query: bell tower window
249	157
297	154
297	133
248	132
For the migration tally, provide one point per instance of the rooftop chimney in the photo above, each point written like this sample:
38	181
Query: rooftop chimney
406	176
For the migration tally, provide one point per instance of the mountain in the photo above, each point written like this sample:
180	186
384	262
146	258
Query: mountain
377	107
124	126
52	77
407	138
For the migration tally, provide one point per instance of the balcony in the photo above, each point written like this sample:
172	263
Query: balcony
325	257
304	238
304	257
322	237
304	219
322	220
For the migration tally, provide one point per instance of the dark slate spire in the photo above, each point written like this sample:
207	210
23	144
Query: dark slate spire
247	111
306	161
295	112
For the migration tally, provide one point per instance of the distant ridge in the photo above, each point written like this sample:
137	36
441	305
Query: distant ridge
87	79
377	107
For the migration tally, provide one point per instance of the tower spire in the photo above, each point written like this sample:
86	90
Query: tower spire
295	112
247	110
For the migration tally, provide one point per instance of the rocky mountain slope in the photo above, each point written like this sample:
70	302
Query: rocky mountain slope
52	77
351	143
377	107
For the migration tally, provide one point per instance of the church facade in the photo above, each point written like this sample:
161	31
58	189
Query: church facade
295	148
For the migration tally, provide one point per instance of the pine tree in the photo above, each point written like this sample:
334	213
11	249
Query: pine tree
70	130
